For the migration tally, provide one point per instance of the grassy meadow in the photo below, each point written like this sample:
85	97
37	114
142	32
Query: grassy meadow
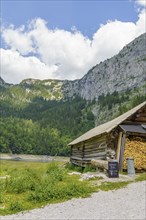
28	185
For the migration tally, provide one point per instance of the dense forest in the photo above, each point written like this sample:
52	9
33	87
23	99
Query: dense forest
41	126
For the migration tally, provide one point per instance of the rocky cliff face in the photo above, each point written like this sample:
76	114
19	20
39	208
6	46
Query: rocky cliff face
48	89
2	82
127	70
123	71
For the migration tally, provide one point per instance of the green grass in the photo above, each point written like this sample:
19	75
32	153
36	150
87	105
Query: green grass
30	185
141	177
73	167
106	186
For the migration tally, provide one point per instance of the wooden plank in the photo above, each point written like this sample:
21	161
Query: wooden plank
122	152
96	158
76	158
119	146
75	151
141	119
141	115
96	139
100	163
136	134
77	155
103	145
95	155
96	143
71	150
130	122
95	149
95	152
83	150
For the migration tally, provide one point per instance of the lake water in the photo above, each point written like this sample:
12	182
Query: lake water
32	158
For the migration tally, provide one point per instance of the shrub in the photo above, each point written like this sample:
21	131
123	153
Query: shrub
16	206
21	181
73	167
89	169
55	172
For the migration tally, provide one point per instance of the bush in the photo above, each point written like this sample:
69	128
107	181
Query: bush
73	167
16	206
55	172
29	188
21	181
89	169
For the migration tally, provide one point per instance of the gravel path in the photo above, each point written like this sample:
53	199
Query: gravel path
123	204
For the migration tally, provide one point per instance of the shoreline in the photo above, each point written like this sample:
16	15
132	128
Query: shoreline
32	158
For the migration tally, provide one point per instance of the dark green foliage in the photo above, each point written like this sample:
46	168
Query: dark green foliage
32	124
21	183
73	167
89	169
43	127
16	207
111	99
36	186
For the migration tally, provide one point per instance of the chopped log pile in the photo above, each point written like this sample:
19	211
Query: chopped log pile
136	148
107	141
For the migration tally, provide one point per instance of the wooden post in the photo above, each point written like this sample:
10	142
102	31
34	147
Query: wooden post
119	147
122	152
71	151
83	153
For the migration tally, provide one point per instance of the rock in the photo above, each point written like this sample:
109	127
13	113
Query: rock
74	173
125	70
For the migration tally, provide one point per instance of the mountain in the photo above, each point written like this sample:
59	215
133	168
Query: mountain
42	116
2	82
127	70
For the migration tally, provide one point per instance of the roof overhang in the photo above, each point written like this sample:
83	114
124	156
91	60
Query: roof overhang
133	128
106	127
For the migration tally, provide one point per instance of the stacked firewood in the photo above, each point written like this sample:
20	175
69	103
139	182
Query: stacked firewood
135	148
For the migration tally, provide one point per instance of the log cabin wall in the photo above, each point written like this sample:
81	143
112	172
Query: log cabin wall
100	146
112	142
95	148
138	118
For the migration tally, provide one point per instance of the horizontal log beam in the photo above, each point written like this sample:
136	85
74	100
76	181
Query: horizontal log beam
100	164
141	115
140	119
95	155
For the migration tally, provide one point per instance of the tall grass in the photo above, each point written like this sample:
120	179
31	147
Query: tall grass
29	186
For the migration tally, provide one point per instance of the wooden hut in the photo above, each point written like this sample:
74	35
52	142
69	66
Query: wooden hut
108	140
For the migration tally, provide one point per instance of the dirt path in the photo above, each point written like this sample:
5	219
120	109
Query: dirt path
123	204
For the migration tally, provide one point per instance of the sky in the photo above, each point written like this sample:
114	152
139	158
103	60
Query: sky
64	39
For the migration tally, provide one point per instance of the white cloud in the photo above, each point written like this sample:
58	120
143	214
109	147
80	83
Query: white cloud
62	54
111	38
141	2
17	39
16	67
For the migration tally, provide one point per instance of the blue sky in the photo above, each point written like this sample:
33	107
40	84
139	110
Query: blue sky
64	39
86	16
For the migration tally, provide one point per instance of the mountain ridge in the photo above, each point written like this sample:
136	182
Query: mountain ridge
43	116
126	70
123	71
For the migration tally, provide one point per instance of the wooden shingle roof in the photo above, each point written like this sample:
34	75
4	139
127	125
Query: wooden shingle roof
106	127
